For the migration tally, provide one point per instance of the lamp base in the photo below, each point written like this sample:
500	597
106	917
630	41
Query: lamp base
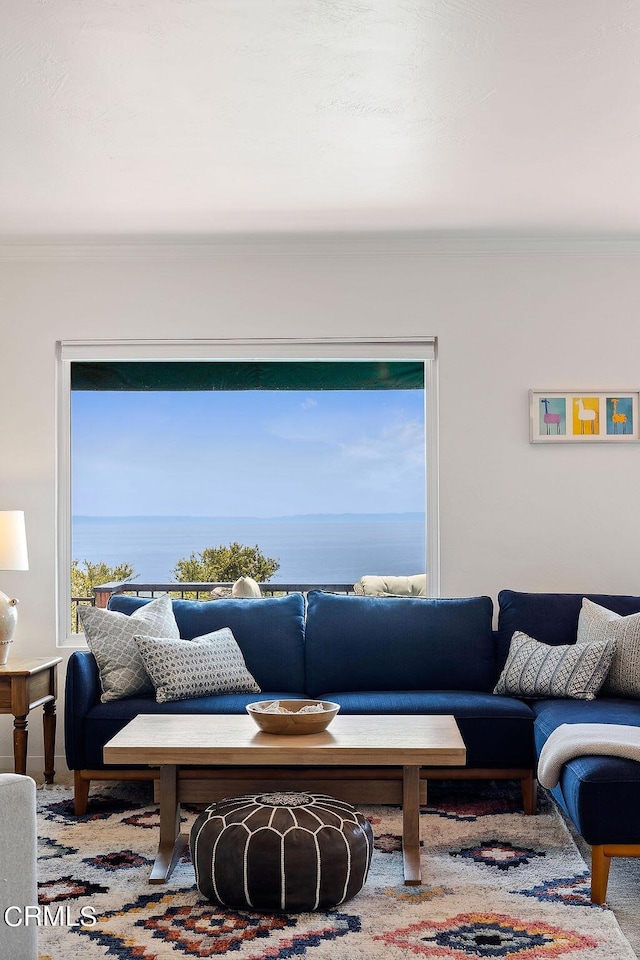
8	621
5	647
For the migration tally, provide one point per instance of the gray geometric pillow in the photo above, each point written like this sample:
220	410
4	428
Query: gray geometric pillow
598	623
182	669
537	670
110	637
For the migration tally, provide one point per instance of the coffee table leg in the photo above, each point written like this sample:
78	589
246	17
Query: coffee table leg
411	825
172	842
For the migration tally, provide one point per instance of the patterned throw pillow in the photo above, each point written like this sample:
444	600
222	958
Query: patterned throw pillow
110	637
181	669
598	623
536	670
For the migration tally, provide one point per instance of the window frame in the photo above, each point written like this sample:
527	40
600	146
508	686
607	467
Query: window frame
423	349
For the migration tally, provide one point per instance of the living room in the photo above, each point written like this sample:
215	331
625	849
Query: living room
467	173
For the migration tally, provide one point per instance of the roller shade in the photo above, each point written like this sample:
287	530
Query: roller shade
148	375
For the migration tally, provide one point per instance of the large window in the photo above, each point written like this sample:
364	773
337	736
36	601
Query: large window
321	453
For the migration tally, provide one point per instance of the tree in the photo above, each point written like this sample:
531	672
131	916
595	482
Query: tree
84	580
225	564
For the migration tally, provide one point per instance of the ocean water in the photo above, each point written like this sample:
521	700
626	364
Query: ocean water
317	549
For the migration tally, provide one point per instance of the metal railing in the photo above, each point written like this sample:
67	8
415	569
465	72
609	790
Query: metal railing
202	591
190	591
75	603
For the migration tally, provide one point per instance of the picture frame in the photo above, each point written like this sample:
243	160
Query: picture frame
584	416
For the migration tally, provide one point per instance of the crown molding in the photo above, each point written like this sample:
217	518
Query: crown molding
300	247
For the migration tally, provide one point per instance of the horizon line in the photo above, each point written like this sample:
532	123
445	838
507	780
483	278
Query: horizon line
201	516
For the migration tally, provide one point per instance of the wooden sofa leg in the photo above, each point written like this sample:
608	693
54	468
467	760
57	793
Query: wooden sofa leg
600	864
529	788
80	793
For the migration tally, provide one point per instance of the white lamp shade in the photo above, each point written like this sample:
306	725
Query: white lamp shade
13	541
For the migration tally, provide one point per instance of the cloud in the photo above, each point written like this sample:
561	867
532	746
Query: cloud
400	441
390	464
313	426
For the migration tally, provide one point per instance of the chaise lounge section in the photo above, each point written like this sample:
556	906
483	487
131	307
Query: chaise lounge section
599	794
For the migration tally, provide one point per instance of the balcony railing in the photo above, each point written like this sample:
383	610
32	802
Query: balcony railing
202	591
75	603
190	591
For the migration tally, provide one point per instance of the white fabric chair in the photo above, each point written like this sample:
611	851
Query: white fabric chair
18	866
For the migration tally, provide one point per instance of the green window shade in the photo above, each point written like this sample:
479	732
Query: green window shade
247	375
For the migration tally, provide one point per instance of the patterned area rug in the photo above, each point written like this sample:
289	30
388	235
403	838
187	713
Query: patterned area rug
496	884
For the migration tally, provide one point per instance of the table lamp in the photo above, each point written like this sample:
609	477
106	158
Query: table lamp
13	556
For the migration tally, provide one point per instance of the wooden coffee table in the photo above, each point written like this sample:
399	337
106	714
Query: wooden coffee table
171	741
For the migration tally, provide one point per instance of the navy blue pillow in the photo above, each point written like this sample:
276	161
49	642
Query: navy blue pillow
550	617
392	643
270	632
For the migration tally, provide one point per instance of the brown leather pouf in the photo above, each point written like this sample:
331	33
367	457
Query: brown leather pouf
281	851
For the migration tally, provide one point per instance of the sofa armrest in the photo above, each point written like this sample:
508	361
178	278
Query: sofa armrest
82	692
18	851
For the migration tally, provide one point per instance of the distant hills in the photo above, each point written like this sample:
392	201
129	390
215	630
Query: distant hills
348	517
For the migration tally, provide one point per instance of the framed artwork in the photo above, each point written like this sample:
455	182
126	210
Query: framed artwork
583	416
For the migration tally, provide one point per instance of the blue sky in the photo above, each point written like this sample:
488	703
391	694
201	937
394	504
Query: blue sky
247	453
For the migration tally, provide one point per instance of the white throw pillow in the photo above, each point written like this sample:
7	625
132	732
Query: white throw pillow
537	670
182	669
110	637
598	623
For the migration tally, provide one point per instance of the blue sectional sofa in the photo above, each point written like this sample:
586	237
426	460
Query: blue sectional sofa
395	656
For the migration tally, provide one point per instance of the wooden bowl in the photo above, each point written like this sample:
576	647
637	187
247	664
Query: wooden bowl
293	724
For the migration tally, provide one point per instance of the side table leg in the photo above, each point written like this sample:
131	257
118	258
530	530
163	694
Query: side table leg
172	842
49	733
411	825
20	736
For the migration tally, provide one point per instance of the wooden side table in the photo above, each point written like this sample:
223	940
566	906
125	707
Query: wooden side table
26	683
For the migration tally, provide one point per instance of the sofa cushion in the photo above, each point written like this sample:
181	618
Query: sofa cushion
397	643
550	617
110	637
535	670
206	665
497	731
104	720
601	796
598	623
550	714
269	632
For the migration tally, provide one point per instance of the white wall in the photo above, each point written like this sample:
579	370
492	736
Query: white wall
530	517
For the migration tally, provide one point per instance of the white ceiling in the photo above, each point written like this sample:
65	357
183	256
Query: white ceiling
182	117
